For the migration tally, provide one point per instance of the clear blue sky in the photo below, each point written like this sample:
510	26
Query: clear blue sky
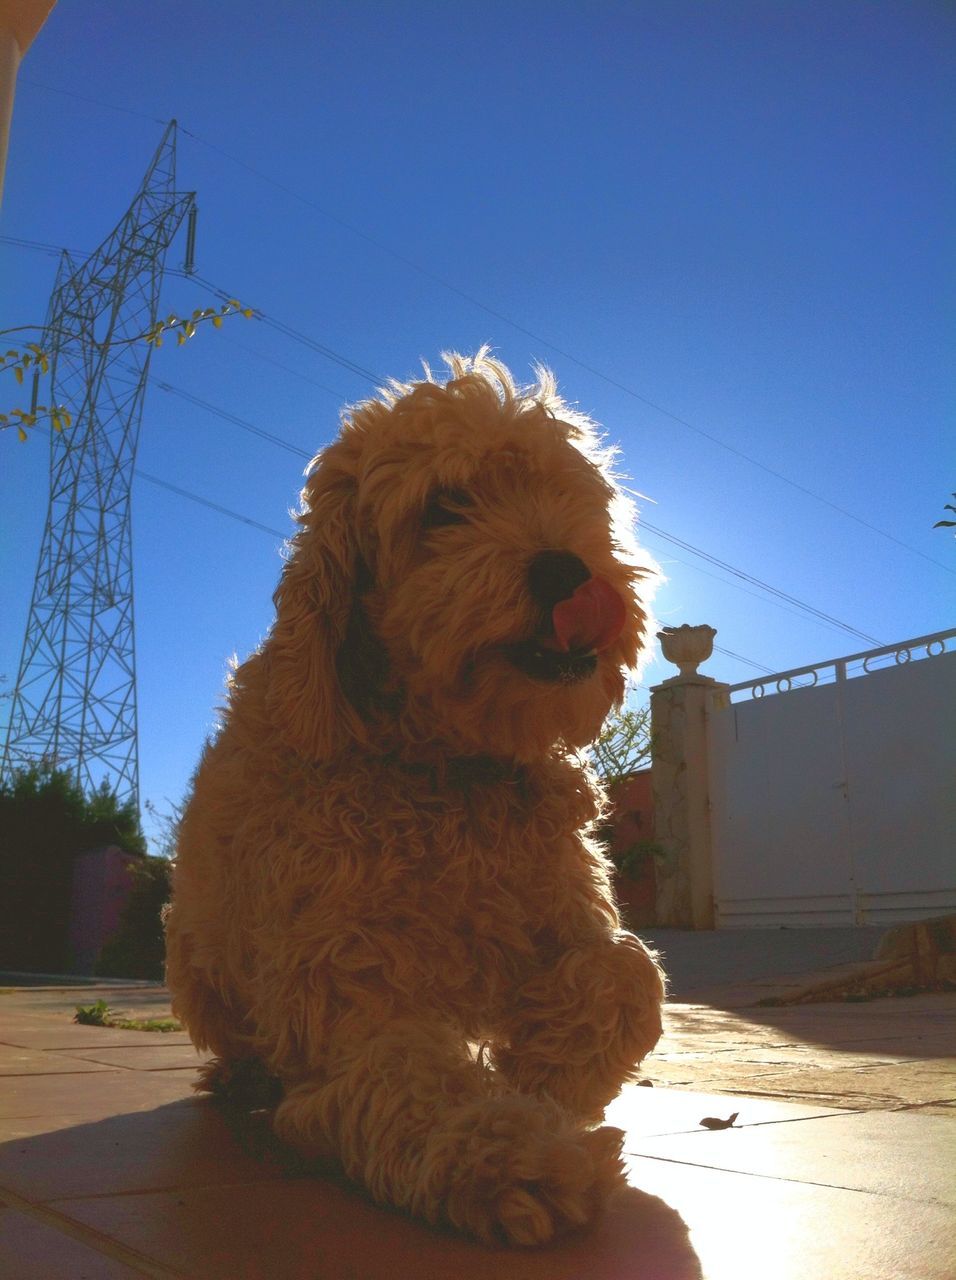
740	213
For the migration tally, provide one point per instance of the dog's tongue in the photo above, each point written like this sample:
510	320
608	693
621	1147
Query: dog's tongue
591	619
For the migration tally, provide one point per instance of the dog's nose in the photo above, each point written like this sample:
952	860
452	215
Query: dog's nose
554	576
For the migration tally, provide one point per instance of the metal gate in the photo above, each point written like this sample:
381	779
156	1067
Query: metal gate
833	791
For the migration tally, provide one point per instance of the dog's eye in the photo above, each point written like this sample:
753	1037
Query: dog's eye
447	506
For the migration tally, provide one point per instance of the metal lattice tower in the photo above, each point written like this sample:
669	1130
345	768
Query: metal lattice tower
75	698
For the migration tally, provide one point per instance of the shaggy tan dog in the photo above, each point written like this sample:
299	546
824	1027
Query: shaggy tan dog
385	891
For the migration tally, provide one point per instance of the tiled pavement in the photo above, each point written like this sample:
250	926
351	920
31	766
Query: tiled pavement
840	1165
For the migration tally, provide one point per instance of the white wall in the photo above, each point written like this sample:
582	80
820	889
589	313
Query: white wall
836	804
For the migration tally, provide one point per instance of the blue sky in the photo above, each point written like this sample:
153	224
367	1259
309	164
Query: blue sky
726	227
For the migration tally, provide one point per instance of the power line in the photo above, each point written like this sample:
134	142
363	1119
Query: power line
764	586
650	539
340	396
97	102
498	315
234	419
205	502
802	605
288	331
277	533
749	662
217	507
297	336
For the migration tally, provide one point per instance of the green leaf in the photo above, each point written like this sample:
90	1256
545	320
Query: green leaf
217	322
22	434
18	374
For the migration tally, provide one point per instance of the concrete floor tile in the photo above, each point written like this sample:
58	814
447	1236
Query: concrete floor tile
15	1061
908	1157
178	1144
643	1112
675	1222
31	1250
307	1229
878	1088
765	1228
60	1033
142	1057
149	999
90	1096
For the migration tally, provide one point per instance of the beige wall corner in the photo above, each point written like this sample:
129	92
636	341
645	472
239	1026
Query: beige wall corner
20	20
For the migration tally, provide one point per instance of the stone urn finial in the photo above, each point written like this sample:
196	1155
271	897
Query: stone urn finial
687	647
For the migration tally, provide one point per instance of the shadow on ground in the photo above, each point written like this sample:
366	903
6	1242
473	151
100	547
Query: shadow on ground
192	1183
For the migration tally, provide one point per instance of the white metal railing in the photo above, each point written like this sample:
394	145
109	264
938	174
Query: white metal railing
856	664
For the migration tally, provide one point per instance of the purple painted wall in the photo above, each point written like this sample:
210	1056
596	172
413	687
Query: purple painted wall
101	887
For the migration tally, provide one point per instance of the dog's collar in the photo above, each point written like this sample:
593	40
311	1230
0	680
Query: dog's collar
462	772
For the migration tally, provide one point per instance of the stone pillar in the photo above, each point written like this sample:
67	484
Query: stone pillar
680	711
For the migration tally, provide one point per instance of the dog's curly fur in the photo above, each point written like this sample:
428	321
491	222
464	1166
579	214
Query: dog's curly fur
386	894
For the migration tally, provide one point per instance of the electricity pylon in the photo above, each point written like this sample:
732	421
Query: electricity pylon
74	703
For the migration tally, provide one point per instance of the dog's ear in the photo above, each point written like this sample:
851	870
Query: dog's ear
315	612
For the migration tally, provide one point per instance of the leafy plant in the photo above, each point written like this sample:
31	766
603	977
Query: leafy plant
93	1015
947	524
623	745
631	861
32	356
100	1014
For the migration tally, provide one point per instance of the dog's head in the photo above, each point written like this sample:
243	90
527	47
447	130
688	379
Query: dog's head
463	577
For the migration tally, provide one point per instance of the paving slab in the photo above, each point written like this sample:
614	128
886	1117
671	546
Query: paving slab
643	1112
675	1221
91	1096
306	1230
899	1086
154	1055
745	1227
56	1031
113	1163
902	1156
175	1144
15	1061
33	1250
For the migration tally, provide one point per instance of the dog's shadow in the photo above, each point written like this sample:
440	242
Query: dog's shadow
206	1188
640	1237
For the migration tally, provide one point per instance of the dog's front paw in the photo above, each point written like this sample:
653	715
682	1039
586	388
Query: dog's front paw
243	1081
524	1175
